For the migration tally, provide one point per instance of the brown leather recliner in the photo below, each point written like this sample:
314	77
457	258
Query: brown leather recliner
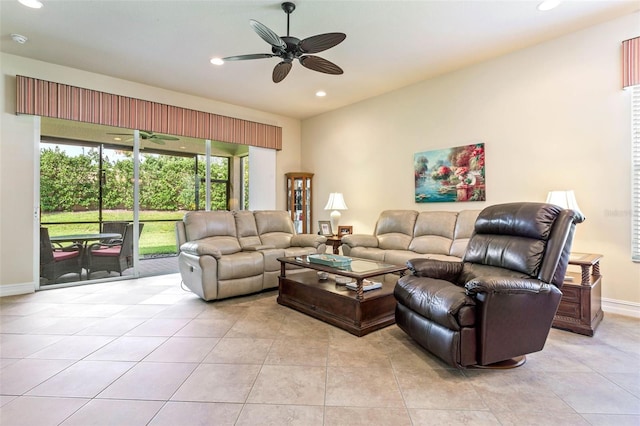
499	302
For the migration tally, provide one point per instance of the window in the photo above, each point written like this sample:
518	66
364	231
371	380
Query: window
244	167
635	173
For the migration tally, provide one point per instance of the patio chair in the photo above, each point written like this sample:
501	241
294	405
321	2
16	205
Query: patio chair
114	256
113	228
57	260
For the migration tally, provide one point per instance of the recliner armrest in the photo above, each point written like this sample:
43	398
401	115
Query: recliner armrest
503	285
360	240
200	248
307	240
432	268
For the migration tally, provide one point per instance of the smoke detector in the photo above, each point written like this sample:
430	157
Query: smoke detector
19	38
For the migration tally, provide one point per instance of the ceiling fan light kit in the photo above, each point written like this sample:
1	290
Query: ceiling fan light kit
288	48
150	136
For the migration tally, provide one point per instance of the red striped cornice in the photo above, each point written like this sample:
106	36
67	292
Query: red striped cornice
56	100
631	62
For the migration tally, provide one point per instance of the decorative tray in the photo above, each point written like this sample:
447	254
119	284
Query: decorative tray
332	260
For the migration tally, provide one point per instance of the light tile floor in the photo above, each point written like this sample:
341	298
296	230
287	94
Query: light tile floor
145	351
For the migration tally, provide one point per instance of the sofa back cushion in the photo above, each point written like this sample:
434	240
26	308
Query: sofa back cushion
433	232
464	229
246	228
217	227
394	229
275	227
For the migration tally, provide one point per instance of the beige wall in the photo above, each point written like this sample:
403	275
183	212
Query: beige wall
552	116
18	155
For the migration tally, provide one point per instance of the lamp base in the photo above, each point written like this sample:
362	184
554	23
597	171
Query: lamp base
335	219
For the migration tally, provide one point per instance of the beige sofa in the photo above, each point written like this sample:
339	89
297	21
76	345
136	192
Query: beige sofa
224	254
401	235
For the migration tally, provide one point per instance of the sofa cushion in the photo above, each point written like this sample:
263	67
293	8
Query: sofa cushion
395	229
246	229
433	232
240	265
372	253
200	225
274	227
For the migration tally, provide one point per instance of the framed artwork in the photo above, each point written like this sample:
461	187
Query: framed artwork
325	228
345	230
451	174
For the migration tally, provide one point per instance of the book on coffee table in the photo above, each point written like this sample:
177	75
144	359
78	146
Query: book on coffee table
366	285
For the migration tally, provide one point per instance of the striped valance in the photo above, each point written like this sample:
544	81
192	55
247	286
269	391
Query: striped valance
631	62
56	100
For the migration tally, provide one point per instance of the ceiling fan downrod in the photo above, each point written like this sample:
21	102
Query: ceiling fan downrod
288	8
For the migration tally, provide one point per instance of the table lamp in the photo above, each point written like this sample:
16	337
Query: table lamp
335	203
564	199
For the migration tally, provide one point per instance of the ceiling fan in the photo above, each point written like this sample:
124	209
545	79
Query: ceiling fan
289	48
150	136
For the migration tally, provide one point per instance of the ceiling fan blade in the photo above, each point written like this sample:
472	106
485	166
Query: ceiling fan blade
156	140
280	71
321	42
319	64
267	35
245	57
164	137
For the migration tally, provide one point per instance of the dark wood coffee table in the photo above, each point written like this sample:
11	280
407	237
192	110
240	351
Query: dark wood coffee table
356	311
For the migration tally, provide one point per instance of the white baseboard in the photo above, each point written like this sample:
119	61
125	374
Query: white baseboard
16	289
621	307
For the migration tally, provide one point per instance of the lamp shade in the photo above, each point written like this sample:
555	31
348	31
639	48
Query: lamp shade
564	199
336	202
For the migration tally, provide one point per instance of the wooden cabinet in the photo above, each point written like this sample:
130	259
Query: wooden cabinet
299	203
580	308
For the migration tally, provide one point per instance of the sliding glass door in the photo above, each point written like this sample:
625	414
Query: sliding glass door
88	188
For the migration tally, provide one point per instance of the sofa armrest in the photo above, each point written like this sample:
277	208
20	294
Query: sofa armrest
502	285
181	234
258	247
308	240
360	240
432	268
200	248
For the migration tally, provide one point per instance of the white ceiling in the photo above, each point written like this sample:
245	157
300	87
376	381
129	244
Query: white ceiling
389	44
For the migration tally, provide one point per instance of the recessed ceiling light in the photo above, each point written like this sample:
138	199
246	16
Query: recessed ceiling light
548	5
321	93
19	38
217	61
117	139
34	4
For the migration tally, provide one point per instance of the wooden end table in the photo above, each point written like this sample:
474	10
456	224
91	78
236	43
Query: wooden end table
580	308
335	241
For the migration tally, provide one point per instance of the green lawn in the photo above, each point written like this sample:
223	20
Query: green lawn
156	237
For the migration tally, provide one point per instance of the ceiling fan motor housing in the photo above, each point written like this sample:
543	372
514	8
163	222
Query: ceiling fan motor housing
288	7
289	48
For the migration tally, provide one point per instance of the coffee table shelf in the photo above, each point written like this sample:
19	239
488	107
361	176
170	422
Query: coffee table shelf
358	312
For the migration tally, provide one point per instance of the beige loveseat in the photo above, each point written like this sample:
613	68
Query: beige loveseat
224	254
401	235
